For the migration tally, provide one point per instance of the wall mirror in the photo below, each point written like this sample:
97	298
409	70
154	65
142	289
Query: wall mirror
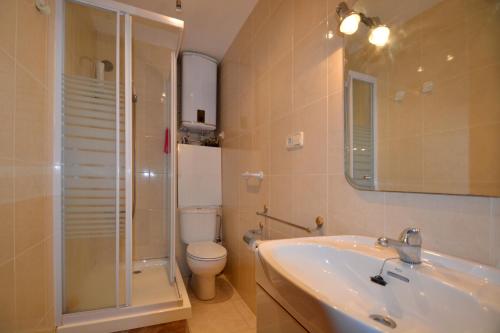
422	112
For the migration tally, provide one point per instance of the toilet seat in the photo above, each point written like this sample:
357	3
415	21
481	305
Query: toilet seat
206	251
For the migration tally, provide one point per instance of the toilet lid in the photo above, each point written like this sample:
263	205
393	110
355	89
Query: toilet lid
206	250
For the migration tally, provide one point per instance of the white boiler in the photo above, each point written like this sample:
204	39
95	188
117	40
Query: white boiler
199	91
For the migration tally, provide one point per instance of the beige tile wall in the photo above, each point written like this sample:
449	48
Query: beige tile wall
282	75
26	292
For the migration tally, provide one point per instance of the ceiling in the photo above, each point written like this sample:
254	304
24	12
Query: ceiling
209	25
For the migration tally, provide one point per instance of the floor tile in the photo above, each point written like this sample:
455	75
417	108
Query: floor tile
226	313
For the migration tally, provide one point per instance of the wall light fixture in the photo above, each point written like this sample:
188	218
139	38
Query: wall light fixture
349	24
348	19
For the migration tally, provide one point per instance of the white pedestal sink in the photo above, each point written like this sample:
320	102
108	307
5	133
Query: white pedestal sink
324	283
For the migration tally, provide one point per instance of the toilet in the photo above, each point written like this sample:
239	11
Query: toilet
200	199
204	256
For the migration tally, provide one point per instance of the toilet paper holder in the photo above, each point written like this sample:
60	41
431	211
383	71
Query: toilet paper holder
258	175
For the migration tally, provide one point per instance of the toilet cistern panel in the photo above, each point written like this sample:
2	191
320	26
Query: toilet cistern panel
199	175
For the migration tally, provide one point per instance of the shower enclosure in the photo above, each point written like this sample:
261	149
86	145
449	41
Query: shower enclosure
115	99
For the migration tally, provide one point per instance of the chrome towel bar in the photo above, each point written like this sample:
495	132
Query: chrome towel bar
320	221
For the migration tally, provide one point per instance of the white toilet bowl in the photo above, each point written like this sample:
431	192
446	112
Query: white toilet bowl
206	260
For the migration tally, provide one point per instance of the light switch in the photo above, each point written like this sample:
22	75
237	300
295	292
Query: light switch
295	140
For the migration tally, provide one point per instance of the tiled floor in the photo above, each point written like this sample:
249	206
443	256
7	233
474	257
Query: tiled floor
226	313
173	327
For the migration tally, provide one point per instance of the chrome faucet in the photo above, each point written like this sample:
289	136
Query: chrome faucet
408	245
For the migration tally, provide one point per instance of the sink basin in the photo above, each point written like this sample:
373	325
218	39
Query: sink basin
324	283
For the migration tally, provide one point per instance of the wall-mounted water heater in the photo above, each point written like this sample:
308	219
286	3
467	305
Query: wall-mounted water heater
199	92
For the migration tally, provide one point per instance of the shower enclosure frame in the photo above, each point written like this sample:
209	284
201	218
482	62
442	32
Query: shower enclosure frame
127	12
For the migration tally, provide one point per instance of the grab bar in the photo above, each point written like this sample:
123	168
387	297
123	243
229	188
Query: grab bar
320	221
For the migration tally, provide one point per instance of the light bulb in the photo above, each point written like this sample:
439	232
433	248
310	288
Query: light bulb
379	35
350	23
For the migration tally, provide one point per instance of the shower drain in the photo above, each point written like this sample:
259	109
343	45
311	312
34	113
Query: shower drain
137	272
384	320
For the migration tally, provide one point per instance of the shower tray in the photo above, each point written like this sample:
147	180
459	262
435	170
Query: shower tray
154	301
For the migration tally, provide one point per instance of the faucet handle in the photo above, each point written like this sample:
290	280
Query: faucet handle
411	236
382	241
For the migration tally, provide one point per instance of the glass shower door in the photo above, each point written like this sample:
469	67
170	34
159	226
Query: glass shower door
93	145
152	110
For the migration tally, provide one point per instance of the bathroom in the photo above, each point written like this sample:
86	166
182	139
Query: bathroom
249	166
